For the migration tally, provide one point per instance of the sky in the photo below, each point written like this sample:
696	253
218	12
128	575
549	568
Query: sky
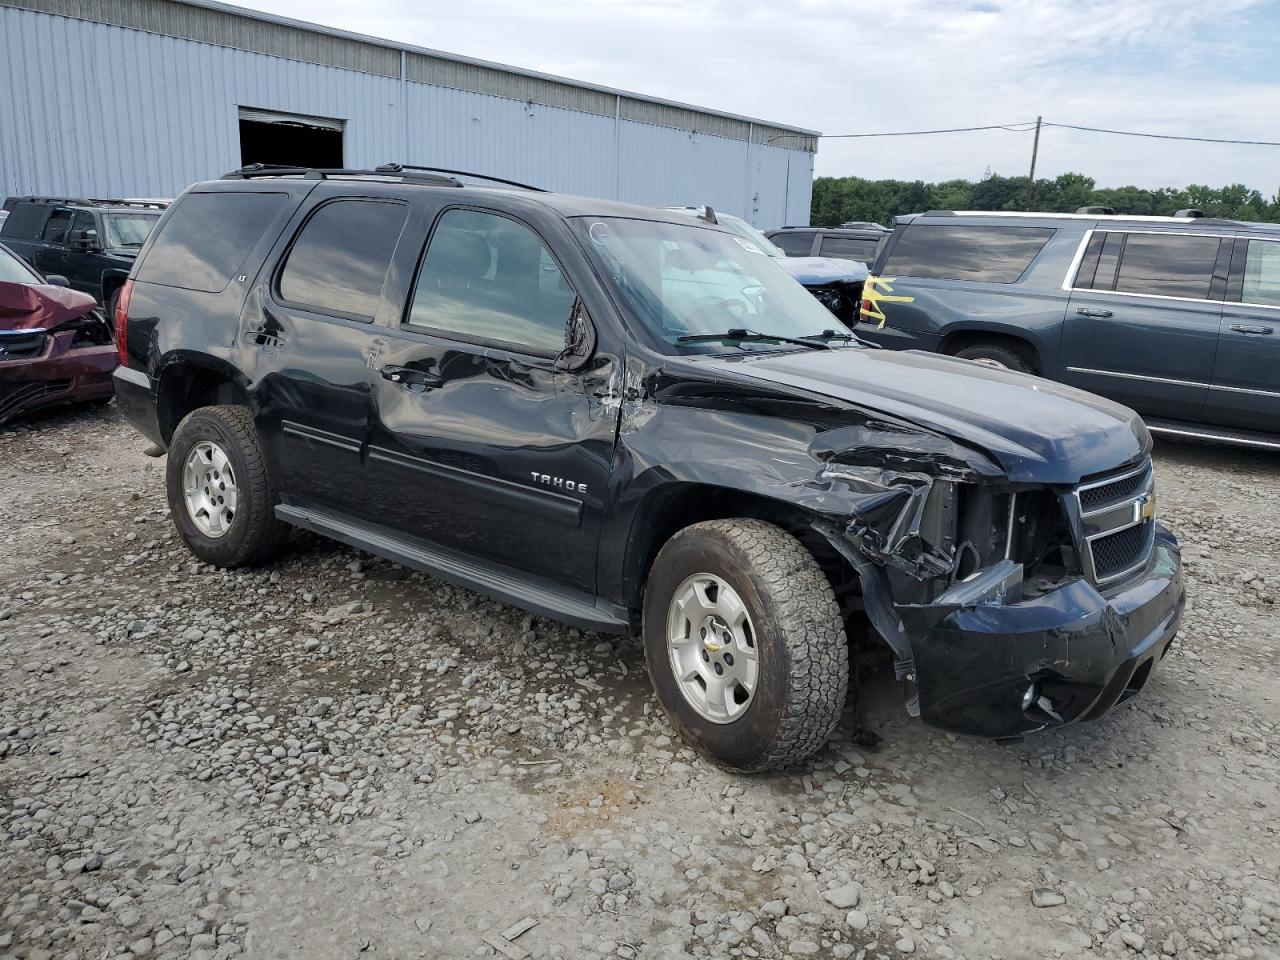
848	66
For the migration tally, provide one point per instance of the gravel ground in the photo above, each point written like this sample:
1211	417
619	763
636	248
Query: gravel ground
334	757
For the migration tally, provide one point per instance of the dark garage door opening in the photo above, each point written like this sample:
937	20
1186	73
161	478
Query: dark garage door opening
285	139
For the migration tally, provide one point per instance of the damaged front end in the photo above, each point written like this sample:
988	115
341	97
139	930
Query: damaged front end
1009	607
54	347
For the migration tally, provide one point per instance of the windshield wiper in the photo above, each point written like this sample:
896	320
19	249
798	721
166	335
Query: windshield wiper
741	333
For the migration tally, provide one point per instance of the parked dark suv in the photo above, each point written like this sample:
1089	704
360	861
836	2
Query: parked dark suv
1177	317
626	419
859	241
92	243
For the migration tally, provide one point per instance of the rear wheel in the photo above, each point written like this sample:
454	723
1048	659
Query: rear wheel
745	644
997	355
220	493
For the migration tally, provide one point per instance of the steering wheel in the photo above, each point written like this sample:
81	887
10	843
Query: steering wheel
736	308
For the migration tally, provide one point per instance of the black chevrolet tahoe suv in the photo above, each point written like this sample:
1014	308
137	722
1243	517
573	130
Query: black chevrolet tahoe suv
92	243
1177	317
626	419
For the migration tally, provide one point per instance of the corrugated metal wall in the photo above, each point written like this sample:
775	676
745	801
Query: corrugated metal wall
91	109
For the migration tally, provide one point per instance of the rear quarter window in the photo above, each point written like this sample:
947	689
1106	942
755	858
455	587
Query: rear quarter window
26	221
207	237
976	253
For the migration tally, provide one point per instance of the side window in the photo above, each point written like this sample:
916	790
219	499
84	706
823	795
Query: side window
848	248
84	221
794	243
1098	265
26	221
979	253
1262	273
55	231
207	236
339	261
1166	265
486	277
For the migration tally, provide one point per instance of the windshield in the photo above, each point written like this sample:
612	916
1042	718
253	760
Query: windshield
680	281
743	229
13	270
129	229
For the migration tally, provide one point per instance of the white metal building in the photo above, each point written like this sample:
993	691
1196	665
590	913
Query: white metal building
110	98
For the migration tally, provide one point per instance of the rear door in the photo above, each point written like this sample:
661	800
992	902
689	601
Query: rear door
1246	375
795	243
309	338
1142	322
24	228
849	248
481	443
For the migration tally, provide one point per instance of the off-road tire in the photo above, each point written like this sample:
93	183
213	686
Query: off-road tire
1006	356
255	535
803	653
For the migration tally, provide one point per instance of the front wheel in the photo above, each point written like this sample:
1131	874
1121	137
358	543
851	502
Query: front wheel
997	355
745	644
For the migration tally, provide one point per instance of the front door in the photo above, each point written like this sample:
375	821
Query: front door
1142	323
50	254
307	337
481	441
1246	375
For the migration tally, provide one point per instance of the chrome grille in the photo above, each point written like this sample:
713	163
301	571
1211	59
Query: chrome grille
1114	553
1115	521
1108	492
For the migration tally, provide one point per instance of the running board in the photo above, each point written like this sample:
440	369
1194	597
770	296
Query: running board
1197	431
501	583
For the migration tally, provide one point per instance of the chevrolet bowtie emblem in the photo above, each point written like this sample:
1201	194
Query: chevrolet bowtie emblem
1146	507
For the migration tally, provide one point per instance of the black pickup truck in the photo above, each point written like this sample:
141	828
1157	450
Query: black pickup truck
92	243
627	419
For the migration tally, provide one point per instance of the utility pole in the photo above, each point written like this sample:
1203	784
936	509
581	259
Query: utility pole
1031	178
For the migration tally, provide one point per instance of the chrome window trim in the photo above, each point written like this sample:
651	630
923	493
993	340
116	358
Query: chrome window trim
1250	303
1139	376
1068	282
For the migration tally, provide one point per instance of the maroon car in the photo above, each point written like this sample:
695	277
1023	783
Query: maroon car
55	346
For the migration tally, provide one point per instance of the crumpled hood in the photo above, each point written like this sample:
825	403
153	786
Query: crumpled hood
124	253
1038	431
39	306
816	271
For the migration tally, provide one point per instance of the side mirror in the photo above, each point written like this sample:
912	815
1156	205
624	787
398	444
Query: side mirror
579	340
56	280
85	240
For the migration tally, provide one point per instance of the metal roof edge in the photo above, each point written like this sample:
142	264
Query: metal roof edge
248	13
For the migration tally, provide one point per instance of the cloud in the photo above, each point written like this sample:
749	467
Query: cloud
849	66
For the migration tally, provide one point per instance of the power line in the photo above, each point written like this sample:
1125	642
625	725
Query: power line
1027	126
1165	136
921	133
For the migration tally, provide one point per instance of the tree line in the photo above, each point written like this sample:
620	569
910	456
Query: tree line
839	200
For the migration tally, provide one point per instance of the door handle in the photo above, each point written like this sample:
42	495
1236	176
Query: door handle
1090	312
416	380
1248	328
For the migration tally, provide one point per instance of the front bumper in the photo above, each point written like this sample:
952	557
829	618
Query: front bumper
62	372
1084	651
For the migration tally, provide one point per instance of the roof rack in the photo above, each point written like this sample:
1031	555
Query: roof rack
157	203
396	168
1184	219
405	172
254	170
